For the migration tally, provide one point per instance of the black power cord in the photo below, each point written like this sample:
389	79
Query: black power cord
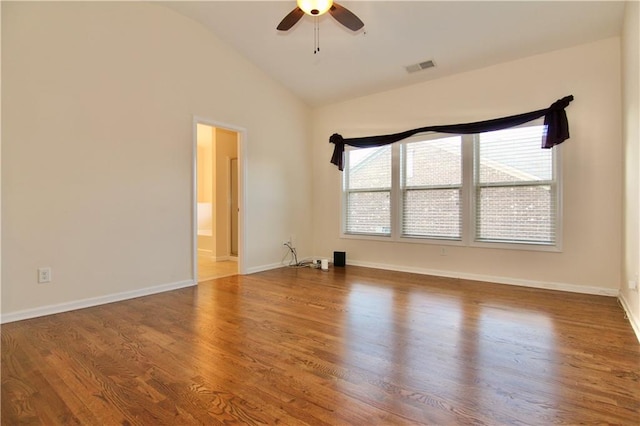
294	258
294	255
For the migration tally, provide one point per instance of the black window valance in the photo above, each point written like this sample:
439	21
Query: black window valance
555	120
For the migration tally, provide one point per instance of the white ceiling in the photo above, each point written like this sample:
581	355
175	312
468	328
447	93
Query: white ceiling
458	36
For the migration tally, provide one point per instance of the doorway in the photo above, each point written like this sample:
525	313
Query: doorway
217	198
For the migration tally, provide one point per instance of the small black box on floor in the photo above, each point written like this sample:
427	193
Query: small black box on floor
339	258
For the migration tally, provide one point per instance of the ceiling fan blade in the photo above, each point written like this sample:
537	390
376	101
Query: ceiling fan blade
345	17
290	20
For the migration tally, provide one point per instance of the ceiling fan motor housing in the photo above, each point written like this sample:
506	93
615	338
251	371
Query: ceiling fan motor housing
315	7
318	7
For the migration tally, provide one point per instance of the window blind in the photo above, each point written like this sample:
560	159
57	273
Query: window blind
368	191
432	188
515	199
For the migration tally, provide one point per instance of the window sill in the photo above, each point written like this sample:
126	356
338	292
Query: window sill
452	242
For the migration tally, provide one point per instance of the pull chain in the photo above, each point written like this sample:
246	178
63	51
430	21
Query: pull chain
316	36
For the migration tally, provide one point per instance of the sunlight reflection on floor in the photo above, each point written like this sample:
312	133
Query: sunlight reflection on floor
209	269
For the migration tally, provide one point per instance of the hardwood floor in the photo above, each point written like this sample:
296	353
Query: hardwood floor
352	346
209	269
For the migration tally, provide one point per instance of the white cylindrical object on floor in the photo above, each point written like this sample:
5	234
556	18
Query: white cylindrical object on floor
324	264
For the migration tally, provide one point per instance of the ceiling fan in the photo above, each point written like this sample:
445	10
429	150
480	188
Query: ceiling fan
317	8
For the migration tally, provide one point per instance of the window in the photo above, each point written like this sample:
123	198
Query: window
515	190
432	188
492	188
367	188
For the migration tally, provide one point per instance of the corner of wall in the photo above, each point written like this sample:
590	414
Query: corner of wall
629	298
631	316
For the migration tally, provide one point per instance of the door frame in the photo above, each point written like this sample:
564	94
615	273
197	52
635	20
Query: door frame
242	173
231	213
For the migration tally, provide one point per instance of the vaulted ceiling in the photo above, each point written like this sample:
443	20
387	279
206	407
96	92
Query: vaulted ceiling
457	35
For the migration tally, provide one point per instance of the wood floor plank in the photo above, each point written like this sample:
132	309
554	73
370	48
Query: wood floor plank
351	346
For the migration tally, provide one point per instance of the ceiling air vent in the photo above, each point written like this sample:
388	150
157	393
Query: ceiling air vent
420	66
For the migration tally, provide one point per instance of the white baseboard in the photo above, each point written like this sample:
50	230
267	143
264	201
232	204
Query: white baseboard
93	301
633	319
492	279
203	252
262	268
101	300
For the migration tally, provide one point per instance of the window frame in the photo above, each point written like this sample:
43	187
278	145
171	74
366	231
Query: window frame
345	197
555	183
403	187
468	194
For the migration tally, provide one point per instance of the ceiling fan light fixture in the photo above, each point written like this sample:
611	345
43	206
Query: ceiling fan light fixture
315	7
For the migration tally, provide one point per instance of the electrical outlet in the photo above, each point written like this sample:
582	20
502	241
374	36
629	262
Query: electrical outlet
44	275
290	242
443	251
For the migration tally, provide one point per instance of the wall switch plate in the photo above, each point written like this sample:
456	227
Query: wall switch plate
44	275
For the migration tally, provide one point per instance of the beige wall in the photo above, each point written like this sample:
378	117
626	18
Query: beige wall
592	164
98	103
204	142
97	107
204	183
631	140
226	148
